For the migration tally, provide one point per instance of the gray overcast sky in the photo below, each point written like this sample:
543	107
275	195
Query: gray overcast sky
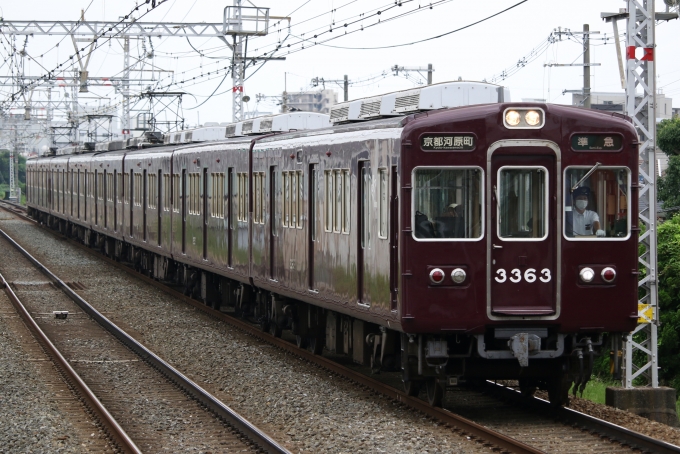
475	53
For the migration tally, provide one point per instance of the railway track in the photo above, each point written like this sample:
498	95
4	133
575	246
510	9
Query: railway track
560	431
143	403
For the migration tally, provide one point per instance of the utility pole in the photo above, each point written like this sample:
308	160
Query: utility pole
284	103
586	60
586	66
419	70
346	91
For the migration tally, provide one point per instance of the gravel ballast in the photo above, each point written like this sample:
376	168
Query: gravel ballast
302	406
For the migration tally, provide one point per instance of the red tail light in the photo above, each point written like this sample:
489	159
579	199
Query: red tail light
608	274
437	276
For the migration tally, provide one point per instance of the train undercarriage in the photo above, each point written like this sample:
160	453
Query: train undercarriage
535	358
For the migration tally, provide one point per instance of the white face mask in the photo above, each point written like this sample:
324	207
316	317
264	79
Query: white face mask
581	204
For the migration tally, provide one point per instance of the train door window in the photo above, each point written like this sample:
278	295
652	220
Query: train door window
383	178
339	193
522	195
300	198
293	199
257	199
447	203
242	196
126	184
366	206
286	199
176	187
313	198
597	203
109	186
346	204
166	192
328	190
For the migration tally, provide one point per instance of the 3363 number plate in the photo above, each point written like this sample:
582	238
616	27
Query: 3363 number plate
516	276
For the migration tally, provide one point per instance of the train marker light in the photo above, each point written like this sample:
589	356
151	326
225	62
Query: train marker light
437	276
587	275
458	276
608	274
512	117
532	118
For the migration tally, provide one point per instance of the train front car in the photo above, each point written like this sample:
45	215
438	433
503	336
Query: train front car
519	244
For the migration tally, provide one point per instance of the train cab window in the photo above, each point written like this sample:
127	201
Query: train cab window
522	195
447	203
596	203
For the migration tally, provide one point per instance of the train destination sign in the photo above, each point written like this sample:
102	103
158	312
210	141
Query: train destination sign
447	142
596	142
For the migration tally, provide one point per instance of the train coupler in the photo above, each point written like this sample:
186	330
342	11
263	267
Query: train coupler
523	343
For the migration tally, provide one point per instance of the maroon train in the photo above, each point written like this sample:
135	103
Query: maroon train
445	243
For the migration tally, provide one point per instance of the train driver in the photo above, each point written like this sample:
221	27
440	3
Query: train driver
585	222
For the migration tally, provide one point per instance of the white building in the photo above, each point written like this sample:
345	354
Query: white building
313	101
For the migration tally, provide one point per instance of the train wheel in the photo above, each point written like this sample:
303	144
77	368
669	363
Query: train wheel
558	391
412	388
264	325
527	387
315	345
300	341
435	392
274	329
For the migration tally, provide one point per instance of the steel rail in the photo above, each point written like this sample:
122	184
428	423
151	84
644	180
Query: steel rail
613	431
111	426
241	424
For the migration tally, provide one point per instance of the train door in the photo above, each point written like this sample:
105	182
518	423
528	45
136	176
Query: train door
205	213
132	199
523	254
312	221
160	206
364	230
394	238
272	222
145	199
230	214
184	210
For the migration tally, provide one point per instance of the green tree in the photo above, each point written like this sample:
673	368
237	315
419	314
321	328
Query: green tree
668	186
668	241
668	136
4	172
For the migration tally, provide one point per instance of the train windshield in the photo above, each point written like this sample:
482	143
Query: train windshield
522	195
447	203
596	205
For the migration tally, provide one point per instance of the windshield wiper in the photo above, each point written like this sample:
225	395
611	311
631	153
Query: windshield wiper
590	172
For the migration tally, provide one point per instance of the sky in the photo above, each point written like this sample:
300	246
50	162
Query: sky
509	31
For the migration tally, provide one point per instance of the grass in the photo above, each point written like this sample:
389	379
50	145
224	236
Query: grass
595	391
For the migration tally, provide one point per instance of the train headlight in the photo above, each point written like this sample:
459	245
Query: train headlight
512	117
458	276
608	274
587	275
524	118
532	118
437	276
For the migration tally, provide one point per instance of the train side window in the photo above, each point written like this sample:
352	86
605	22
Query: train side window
523	203
166	192
286	199
447	203
346	202
300	197
596	203
152	190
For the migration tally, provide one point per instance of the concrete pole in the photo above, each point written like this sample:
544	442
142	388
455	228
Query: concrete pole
429	74
346	88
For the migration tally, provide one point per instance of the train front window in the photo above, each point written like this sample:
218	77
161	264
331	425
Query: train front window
522	195
447	203
596	203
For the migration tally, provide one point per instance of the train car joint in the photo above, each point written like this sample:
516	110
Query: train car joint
523	343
